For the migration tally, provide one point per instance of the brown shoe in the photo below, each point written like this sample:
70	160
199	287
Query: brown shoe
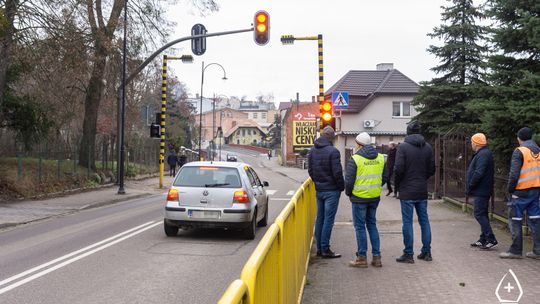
360	262
376	261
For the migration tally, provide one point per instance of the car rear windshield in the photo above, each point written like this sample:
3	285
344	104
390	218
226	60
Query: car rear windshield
218	177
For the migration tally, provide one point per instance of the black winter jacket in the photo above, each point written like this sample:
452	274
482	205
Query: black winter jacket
515	168
415	163
324	166
480	174
350	177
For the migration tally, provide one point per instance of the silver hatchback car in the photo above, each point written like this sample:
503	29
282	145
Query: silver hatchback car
216	195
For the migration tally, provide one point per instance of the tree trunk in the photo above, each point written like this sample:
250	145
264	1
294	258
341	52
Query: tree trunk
91	110
6	43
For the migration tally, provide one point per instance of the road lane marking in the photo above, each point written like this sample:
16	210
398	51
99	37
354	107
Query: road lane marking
280	199
290	192
271	192
141	228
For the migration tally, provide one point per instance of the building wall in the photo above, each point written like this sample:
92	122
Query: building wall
288	154
379	110
246	136
226	117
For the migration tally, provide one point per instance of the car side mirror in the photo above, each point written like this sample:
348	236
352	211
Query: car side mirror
266	184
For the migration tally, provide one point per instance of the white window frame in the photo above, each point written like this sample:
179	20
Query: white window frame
255	115
401	109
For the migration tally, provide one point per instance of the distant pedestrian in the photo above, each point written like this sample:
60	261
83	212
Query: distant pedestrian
480	176
390	161
269	154
524	186
172	159
366	174
182	160
415	164
324	168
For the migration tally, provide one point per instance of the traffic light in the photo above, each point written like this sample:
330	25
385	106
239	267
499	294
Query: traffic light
155	131
327	116
261	34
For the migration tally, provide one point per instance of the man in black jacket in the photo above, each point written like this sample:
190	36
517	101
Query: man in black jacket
480	177
324	168
415	164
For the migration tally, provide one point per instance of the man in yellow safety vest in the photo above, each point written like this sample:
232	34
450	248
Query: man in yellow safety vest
524	186
366	174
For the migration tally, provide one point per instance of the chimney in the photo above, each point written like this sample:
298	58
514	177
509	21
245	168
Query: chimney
197	95
385	66
313	98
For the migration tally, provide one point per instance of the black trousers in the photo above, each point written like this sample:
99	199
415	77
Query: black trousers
481	210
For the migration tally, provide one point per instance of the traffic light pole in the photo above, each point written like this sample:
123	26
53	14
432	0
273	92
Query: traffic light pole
121	96
162	121
321	74
289	39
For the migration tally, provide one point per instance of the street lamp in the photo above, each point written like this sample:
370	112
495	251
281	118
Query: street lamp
219	133
200	109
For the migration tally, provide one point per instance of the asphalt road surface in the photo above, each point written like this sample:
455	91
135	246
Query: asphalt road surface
120	254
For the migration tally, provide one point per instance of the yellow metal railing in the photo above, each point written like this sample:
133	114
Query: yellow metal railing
276	271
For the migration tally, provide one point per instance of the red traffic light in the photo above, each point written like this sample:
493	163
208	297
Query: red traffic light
261	23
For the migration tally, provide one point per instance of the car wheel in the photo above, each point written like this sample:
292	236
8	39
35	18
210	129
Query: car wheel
249	232
264	220
169	229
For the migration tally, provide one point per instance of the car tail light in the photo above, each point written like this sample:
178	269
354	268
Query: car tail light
241	197
173	195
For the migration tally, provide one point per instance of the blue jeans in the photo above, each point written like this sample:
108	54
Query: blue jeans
407	209
327	204
516	210
481	209
364	216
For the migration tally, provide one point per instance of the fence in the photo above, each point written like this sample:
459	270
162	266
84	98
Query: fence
453	154
53	165
276	271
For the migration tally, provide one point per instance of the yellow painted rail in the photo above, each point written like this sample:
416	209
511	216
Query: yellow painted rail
276	271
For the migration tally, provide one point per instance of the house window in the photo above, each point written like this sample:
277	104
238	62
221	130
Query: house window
255	115
243	132
263	115
401	109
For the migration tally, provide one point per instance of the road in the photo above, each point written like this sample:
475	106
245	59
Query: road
120	254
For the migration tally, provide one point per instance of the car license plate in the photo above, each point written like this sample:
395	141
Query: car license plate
203	214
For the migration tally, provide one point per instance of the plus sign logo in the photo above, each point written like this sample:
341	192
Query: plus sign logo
509	289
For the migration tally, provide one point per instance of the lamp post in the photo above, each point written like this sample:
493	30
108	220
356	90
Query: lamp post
121	189
219	133
200	109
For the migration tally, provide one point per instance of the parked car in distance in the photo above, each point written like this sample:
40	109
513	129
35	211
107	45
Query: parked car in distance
231	158
216	195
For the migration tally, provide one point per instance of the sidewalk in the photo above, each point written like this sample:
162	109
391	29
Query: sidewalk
457	274
22	212
293	173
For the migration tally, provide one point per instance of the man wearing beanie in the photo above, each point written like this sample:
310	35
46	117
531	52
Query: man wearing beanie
366	174
415	164
524	186
480	177
324	168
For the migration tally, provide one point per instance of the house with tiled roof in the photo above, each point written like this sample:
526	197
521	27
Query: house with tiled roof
245	132
379	104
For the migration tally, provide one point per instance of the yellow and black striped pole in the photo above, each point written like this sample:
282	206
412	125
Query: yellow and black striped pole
321	74
163	113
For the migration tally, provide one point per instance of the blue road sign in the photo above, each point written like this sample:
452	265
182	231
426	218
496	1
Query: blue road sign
340	100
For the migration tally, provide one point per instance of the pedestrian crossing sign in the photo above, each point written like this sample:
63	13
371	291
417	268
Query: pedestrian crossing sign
340	100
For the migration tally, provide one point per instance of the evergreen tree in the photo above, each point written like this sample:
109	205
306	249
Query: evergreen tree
441	101
514	99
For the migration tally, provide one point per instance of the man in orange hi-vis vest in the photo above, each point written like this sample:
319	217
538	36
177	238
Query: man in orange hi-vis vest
524	186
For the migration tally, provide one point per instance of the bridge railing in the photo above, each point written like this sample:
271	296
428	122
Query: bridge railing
276	271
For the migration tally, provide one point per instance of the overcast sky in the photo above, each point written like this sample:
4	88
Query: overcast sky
357	35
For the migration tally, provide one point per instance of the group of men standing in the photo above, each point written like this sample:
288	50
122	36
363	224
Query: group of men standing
523	188
174	160
367	172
